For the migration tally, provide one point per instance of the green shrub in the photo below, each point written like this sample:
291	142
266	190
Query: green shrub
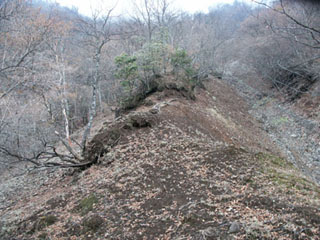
127	71
140	73
181	63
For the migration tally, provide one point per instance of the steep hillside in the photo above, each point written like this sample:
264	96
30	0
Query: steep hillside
174	168
293	125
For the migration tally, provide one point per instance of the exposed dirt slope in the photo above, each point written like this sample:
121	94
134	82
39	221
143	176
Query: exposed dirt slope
294	126
175	169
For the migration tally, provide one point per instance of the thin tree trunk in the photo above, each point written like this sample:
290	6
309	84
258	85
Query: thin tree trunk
4	53
92	111
91	116
64	102
100	97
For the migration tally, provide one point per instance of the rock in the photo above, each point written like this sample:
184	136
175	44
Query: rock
140	120
209	232
148	102
234	227
154	111
309	125
302	222
92	223
163	143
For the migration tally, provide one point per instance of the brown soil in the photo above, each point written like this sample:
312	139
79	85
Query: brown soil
188	170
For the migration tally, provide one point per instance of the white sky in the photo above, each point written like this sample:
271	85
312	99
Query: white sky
123	6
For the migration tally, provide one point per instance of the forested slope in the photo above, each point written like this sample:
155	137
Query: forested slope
161	124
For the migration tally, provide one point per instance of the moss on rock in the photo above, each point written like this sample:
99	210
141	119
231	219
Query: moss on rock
86	204
42	222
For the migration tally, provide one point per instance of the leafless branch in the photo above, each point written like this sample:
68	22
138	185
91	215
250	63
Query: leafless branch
284	12
68	147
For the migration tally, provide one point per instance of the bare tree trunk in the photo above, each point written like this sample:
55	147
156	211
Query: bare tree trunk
4	54
99	34
100	97
93	107
149	21
64	102
91	116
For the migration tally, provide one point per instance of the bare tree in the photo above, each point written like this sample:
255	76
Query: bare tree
97	33
33	58
18	47
293	59
152	16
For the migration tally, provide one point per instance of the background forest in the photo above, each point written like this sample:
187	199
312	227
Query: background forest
59	69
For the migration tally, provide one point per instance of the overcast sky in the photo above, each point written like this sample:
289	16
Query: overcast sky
192	6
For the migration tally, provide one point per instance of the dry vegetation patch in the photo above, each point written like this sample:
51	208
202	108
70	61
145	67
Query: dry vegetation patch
173	174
